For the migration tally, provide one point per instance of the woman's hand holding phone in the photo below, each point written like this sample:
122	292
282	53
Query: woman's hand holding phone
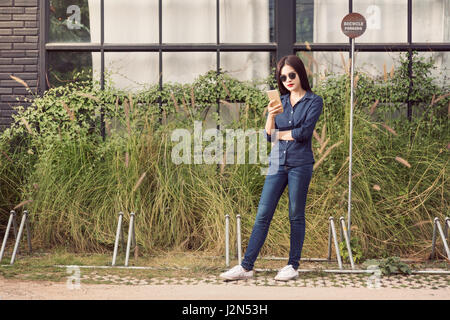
274	108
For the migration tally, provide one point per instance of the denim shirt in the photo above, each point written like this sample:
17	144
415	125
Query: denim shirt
301	119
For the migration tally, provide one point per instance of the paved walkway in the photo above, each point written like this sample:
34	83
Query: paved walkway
416	281
201	290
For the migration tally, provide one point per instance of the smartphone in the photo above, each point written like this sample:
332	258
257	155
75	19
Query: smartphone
274	95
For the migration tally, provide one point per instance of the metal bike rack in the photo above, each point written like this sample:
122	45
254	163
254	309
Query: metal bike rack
24	223
344	234
239	243
131	241
11	221
238	239
443	234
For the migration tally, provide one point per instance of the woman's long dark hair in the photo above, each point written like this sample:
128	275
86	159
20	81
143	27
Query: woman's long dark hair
296	63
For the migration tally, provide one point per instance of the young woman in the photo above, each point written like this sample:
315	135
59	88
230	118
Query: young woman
290	125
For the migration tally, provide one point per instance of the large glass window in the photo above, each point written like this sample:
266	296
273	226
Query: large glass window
73	21
386	20
431	21
377	63
184	67
188	21
63	66
242	42
130	21
441	72
245	21
130	70
246	65
319	21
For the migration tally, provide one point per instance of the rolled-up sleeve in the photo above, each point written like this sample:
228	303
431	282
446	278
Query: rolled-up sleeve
305	131
268	136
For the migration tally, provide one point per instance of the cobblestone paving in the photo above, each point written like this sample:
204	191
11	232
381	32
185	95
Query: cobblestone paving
419	281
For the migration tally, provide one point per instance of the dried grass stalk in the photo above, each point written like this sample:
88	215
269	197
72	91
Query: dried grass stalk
308	67
432	99
17	79
130	99
108	128
326	154
27	125
308	70
127	115
224	161
192	98
374	106
441	97
324	131
225	88
175	102
356	175
389	129
308	47
136	252
344	65
324	145
311	58
403	161
7	157
139	182
226	103
316	135
69	111
355	81
164	116
20	205
391	74
87	95
127	159
384	72
185	107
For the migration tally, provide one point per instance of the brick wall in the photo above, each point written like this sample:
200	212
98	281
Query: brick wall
19	44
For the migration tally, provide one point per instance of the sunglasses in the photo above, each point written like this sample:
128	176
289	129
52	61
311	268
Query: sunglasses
291	75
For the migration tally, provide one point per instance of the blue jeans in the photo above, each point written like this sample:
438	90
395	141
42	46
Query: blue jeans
297	178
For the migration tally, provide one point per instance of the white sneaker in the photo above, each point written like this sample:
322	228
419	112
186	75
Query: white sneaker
237	273
287	273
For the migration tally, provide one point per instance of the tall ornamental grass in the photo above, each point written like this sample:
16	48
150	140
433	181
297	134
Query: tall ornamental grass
55	164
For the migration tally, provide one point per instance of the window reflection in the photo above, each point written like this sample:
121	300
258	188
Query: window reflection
70	21
63	67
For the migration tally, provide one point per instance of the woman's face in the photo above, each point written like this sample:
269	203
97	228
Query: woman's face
286	74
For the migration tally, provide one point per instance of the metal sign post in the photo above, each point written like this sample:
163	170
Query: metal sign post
353	25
